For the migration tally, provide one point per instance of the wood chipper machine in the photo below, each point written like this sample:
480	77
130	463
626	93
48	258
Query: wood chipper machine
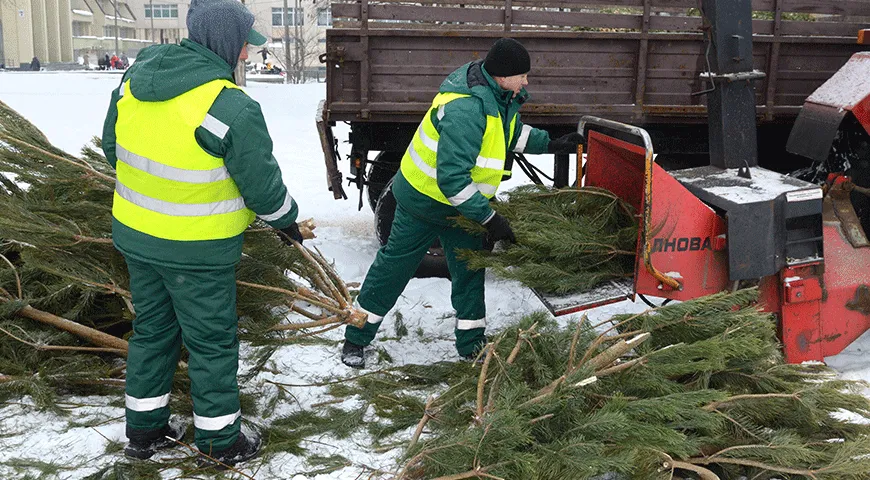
731	223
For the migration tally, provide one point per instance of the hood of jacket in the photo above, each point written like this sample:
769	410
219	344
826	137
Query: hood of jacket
221	26
162	72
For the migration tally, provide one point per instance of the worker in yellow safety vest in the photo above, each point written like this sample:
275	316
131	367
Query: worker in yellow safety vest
194	168
453	167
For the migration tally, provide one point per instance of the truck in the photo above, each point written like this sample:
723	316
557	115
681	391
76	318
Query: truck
642	62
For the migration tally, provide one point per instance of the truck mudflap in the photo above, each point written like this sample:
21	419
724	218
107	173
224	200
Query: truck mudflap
330	153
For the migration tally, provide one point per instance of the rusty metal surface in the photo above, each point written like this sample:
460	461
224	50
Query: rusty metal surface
850	225
861	301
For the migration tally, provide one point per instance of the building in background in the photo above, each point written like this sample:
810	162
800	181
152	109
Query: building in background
66	32
35	28
63	33
307	21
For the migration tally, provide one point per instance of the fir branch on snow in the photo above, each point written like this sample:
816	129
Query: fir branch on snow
59	262
671	405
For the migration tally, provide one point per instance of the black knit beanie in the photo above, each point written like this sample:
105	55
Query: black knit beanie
507	58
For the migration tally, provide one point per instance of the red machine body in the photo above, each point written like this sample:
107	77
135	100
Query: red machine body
822	305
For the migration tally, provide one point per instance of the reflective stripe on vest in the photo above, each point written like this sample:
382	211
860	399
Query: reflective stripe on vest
419	164
167	185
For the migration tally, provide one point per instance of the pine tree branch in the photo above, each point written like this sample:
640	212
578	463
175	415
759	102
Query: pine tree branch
757	464
573	350
427	415
305	313
17	278
618	368
481	382
300	326
321	278
336	279
317	332
416	458
110	288
522	337
310	297
86	239
108	382
610	355
92	335
476	473
541	418
703	473
737	398
45	348
80	164
738	424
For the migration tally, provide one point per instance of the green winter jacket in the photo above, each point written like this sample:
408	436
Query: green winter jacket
162	72
461	131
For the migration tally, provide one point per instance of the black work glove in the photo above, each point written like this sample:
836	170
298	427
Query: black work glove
291	233
566	143
498	228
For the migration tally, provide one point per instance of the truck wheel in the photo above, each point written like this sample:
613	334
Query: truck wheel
434	264
381	171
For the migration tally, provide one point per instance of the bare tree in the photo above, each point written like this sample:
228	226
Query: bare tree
303	38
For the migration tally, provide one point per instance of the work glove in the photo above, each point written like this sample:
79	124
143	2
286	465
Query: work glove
566	143
291	233
498	228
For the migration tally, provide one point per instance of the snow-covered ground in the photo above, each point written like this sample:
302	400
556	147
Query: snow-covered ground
70	108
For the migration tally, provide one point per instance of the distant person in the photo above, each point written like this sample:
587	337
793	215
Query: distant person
125	62
115	62
185	194
106	62
34	65
264	51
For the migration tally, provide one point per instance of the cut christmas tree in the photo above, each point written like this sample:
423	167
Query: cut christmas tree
60	271
693	390
567	240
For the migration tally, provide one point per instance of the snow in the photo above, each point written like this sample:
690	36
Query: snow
69	108
849	86
83	12
765	185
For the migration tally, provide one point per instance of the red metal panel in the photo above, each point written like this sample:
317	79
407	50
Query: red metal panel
800	319
688	242
686	235
845	311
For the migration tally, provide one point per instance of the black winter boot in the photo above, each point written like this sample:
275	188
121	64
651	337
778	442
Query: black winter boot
475	355
245	448
145	443
353	355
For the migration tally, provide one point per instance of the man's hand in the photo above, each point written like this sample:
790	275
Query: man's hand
498	228
566	143
290	234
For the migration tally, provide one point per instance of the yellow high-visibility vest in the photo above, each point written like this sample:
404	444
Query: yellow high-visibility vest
419	164
167	185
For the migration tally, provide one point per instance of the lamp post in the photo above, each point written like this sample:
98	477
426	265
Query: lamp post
115	3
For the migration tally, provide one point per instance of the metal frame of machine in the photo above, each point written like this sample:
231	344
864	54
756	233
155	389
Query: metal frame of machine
703	230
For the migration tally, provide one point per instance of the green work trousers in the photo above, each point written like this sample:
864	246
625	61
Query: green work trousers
197	307
396	263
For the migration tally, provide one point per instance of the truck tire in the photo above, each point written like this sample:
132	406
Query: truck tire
434	264
381	171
